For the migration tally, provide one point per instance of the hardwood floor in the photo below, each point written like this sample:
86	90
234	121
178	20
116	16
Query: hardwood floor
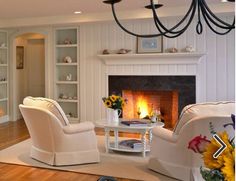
15	132
12	133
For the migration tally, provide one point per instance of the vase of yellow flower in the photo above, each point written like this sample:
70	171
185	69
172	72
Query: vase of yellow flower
113	115
114	106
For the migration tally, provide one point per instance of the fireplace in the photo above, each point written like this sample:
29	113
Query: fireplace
167	94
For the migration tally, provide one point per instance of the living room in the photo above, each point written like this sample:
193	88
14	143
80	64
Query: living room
81	54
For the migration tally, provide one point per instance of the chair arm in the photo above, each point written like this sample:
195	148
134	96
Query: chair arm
164	134
77	128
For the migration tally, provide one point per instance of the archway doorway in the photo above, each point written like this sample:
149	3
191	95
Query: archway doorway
29	70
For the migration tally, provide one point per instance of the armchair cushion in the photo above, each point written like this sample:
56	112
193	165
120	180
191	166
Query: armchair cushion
204	109
78	128
49	105
164	134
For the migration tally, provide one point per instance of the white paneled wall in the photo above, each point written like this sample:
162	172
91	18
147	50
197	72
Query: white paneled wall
216	68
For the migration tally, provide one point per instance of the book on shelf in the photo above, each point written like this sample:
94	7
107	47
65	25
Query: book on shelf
134	123
132	143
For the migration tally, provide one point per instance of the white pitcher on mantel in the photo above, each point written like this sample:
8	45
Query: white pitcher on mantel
113	115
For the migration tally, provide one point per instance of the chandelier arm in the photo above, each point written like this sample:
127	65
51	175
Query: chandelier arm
165	33
156	18
214	16
199	26
212	29
127	31
174	36
213	21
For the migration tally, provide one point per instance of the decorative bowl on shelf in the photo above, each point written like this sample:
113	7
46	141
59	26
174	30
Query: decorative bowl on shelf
67	59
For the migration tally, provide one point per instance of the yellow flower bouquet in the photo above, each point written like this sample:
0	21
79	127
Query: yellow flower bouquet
221	168
114	102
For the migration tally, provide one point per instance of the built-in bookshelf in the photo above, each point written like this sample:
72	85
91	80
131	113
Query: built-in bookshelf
4	81
67	71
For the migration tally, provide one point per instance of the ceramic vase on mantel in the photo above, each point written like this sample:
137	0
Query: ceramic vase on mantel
113	115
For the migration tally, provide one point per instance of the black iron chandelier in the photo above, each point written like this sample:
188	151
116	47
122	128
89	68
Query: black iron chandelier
197	5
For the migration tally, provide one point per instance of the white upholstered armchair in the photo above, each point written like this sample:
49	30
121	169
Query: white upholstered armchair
54	140
169	153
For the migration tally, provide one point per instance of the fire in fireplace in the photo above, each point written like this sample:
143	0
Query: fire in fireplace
142	104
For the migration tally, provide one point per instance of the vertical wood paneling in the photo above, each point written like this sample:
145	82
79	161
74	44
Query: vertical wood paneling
82	71
173	68
165	40
191	35
230	62
211	65
216	69
221	74
171	42
164	69
191	69
200	46
155	68
181	68
90	73
97	74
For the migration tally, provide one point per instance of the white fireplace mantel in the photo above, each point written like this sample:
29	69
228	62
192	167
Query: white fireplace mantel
150	59
162	64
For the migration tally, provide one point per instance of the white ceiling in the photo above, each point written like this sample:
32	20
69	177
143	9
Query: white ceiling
11	9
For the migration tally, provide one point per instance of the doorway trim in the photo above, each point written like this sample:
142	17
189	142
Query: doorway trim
12	72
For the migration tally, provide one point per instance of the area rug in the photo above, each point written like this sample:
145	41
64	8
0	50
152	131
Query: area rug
116	164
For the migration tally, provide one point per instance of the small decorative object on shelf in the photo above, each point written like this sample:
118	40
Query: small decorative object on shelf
114	104
172	50
3	45
105	52
69	77
75	97
123	51
189	49
67	41
69	115
67	59
63	96
220	167
3	79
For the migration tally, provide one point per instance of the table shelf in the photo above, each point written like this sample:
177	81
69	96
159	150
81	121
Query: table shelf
127	149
